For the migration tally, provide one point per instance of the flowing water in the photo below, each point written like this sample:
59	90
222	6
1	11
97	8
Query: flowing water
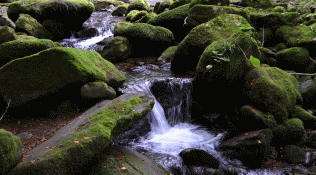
167	130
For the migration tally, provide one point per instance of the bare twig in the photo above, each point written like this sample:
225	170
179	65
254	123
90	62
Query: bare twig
312	60
6	109
262	36
302	74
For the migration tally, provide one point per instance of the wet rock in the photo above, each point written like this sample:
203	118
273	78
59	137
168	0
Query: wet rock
87	33
293	154
197	157
97	90
6	34
5	21
138	5
252	148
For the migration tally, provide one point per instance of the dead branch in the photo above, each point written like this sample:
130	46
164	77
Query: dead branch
6	109
262	36
302	74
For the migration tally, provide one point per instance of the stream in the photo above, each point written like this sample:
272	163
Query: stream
165	132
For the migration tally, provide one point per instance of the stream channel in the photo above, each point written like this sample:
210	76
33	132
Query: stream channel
167	130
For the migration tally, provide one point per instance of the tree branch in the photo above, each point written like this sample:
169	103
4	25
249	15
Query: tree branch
6	109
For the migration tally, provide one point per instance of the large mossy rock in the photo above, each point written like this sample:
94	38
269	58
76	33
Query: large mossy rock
251	148
293	154
10	150
138	5
258	3
209	2
6	34
160	6
74	12
23	47
25	23
5	21
297	36
308	119
117	49
294	58
192	46
272	90
214	73
97	90
26	79
172	20
291	132
178	3
203	13
146	39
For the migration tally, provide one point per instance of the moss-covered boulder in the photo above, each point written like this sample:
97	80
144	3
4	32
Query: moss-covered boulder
308	92
97	90
138	5
52	10
252	148
11	151
250	119
173	20
203	13
291	132
146	39
146	18
308	119
279	9
192	46
25	23
136	15
117	50
268	19
76	149
5	21
120	27
280	46
297	36
311	140
267	57
21	48
293	154
6	34
258	3
120	10
294	58
272	90
209	2
168	54
48	71
104	4
178	3
160	6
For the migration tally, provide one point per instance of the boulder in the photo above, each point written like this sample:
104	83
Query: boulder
311	140
124	160
210	2
308	91
146	18
142	37
290	133
173	20
25	23
272	90
135	15
97	90
203	13
101	5
308	119
10	150
190	49
138	5
5	21
294	58
251	148
87	33
6	34
168	54
258	3
297	36
160	6
68	9
21	48
178	3
120	10
117	49
48	72
293	154
74	152
197	157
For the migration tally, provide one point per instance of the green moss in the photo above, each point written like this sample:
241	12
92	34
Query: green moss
279	9
258	3
178	3
9	148
94	89
209	2
295	35
120	27
74	65
138	5
280	46
308	119
131	14
294	58
146	18
138	15
293	154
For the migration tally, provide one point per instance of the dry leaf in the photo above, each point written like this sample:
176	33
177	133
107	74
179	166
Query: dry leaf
37	142
259	141
86	138
122	110
110	122
53	147
76	141
123	168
